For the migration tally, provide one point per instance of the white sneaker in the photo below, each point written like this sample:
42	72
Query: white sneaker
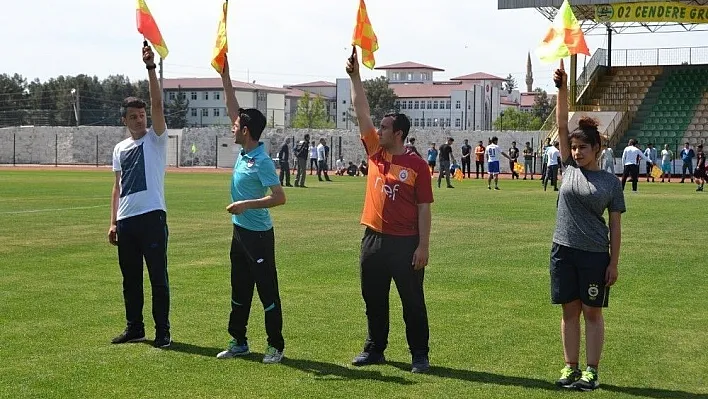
234	350
272	355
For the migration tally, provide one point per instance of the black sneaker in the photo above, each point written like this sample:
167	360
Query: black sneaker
129	335
420	364
568	377
162	340
367	358
588	381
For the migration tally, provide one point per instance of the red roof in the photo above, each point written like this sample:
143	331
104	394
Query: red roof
478	76
294	93
527	99
427	90
409	65
215	83
319	83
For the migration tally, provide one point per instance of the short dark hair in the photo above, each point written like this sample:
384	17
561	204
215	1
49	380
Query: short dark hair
307	137
254	120
400	122
131	102
632	141
527	143
495	139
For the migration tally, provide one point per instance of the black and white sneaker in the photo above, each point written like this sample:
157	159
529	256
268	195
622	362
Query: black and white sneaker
162	340
129	335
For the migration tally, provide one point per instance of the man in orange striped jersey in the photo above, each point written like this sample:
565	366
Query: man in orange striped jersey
396	240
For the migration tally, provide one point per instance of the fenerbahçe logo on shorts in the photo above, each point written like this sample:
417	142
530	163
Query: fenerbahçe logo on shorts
593	291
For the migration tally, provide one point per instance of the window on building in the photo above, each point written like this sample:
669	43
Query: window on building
429	104
205	111
410	76
447	122
435	104
171	96
217	95
435	122
395	76
344	119
397	104
430	122
458	104
217	112
262	96
205	95
416	122
469	106
458	122
193	95
402	105
448	104
410	104
424	76
194	112
416	105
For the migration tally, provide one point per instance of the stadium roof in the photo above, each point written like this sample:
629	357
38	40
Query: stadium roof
585	11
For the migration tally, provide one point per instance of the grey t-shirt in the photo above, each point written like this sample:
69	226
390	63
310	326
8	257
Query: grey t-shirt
582	200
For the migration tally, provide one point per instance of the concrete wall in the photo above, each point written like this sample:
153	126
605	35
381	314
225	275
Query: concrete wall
65	145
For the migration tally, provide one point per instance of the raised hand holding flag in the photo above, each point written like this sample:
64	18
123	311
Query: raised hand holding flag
148	28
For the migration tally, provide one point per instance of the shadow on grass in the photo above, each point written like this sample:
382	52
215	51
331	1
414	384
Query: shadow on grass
319	370
653	392
523	382
482	377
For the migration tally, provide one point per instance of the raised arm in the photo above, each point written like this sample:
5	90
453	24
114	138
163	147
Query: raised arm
561	80
156	107
361	104
232	106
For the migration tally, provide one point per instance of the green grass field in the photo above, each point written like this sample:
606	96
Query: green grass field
494	333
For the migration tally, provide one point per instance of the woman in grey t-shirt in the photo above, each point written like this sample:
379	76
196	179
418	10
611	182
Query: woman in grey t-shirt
585	251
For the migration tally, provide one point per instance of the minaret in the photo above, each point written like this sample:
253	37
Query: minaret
529	75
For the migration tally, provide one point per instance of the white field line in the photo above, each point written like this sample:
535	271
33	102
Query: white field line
52	210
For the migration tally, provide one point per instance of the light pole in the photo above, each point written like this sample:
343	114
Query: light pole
501	121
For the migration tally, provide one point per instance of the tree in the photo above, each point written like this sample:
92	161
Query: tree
176	112
542	105
511	83
382	98
311	113
513	119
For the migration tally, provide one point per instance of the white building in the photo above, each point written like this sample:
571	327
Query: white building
470	102
207	105
326	90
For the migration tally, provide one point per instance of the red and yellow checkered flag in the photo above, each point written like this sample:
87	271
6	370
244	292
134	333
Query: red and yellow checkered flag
364	37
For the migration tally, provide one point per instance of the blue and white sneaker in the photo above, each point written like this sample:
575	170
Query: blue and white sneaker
234	350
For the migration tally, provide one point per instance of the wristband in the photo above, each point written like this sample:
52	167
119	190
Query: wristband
150	67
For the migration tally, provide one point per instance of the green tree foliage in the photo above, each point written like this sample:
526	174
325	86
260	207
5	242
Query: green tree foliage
311	113
176	112
382	98
543	105
513	119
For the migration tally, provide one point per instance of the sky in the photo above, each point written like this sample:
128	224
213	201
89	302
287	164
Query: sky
280	42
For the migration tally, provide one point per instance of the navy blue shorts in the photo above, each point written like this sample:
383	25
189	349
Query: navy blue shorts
493	167
578	274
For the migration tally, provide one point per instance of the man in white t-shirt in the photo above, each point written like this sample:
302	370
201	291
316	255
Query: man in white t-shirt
553	159
607	160
491	153
138	218
631	157
322	160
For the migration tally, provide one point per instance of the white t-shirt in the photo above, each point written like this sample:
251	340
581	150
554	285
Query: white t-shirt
552	153
142	180
493	153
313	152
340	164
665	156
632	155
321	152
608	156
